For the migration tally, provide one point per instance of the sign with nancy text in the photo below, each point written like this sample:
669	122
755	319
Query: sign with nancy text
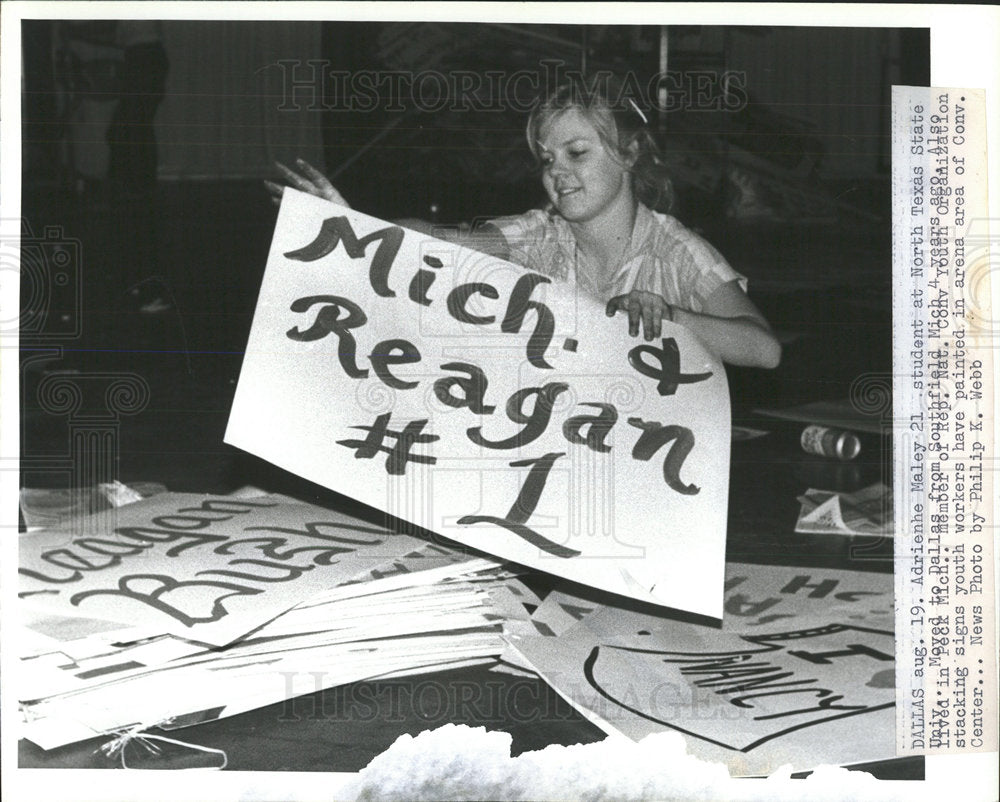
801	673
493	405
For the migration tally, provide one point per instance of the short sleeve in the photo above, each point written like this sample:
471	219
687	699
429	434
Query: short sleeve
709	270
679	265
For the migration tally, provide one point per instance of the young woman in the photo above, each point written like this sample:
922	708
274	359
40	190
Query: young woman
603	173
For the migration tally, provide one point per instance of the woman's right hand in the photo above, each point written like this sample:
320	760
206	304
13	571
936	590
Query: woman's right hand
309	180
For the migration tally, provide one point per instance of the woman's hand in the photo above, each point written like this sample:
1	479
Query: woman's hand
647	307
310	180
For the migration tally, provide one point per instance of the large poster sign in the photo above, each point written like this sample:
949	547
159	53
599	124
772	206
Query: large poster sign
802	672
208	568
488	403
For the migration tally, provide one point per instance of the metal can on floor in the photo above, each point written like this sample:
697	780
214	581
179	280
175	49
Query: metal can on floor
828	442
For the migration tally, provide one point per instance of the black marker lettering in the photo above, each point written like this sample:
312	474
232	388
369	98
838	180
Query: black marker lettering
144	535
110	547
518	306
291	572
667	370
600	425
272	547
473	388
328	321
337	229
312	529
422	281
459	297
524	505
394	352
399	454
534	424
227	505
653	436
165	584
853	649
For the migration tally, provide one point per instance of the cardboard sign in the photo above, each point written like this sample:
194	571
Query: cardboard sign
802	672
201	567
762	597
489	404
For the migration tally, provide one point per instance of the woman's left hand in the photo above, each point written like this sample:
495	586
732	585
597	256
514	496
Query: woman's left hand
647	307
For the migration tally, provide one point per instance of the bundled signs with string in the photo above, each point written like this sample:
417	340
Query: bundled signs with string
184	608
489	404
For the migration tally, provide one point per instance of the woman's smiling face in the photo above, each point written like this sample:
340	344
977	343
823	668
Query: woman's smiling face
581	177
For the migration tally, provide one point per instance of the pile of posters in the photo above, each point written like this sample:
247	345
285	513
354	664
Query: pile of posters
801	672
610	457
181	609
184	608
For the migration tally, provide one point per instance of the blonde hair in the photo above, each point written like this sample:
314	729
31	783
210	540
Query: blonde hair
622	127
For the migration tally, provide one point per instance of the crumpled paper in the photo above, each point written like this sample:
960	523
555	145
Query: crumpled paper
866	512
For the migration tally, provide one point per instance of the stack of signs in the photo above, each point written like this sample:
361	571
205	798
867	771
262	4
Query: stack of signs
504	410
801	673
186	608
490	404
